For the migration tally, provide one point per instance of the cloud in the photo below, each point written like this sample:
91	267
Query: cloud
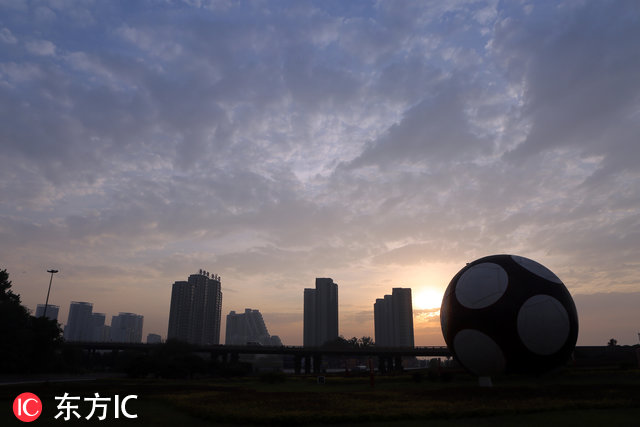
41	47
6	36
577	71
434	130
427	318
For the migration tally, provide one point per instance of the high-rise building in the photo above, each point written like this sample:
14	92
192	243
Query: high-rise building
127	327
245	328
78	326
393	319
309	320
99	332
52	311
275	341
320	313
383	321
196	309
154	339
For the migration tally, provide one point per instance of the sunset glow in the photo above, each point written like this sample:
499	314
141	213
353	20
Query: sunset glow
427	299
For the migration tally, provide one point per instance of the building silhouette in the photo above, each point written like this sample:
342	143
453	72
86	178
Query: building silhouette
127	328
196	309
154	339
79	322
248	328
52	311
320	313
84	325
99	331
393	319
275	341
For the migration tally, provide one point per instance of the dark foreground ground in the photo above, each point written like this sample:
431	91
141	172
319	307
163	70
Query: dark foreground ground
568	398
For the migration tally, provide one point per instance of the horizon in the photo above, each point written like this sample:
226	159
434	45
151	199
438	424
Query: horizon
430	316
382	144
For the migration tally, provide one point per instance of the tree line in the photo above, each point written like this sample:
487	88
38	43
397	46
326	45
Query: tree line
27	343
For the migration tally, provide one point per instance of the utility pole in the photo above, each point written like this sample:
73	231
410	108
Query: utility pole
46	304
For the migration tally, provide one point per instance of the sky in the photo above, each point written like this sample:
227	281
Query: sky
380	143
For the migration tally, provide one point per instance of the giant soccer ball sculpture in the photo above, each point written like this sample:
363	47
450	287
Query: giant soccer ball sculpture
508	314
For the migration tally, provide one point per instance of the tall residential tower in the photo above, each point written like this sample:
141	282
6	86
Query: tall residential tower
393	318
79	322
248	328
52	311
196	308
320	313
127	327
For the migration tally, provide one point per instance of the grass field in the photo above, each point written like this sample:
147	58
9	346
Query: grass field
572	397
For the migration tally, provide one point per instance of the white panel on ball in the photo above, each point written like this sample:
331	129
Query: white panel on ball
543	324
481	285
536	268
478	353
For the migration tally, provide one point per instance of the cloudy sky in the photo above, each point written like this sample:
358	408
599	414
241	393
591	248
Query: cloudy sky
382	144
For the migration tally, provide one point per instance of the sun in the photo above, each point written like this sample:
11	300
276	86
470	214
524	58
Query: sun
427	298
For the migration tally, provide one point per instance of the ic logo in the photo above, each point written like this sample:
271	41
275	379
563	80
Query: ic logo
27	407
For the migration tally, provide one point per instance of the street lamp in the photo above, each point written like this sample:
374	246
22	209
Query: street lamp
46	304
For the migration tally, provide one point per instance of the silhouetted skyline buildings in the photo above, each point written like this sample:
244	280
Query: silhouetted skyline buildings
393	319
154	339
126	327
196	309
100	331
79	322
52	311
248	328
84	325
195	317
320	313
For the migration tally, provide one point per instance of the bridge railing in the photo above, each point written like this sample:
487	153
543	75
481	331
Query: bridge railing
436	351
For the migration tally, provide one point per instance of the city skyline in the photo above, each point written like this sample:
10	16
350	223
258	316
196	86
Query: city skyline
590	301
384	144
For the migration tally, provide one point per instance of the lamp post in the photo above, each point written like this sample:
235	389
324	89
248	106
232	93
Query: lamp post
46	304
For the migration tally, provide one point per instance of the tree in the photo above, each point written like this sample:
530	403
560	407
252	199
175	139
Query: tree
27	343
353	342
365	342
612	342
337	343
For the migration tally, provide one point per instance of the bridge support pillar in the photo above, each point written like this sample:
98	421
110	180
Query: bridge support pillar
317	363
297	364
398	363
307	364
382	368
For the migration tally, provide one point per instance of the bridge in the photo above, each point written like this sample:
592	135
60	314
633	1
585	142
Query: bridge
388	357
